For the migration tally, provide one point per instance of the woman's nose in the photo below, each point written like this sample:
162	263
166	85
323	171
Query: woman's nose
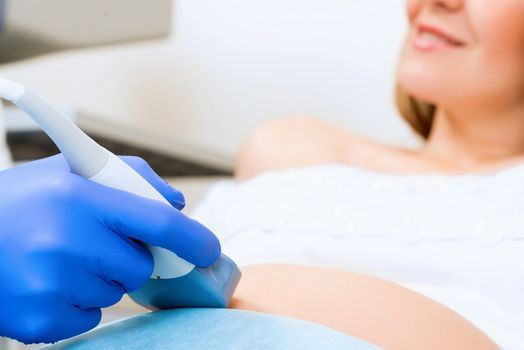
450	5
415	7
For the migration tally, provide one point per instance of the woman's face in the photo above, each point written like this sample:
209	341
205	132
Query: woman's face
465	51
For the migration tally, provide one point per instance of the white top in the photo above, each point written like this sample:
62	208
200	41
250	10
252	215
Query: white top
456	239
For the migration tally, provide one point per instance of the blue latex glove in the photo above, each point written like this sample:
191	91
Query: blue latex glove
67	246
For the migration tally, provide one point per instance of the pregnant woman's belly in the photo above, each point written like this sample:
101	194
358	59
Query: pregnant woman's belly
381	312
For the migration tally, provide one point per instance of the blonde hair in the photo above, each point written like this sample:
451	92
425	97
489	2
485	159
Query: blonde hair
417	113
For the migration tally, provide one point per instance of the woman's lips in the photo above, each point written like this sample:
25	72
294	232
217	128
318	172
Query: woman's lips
428	38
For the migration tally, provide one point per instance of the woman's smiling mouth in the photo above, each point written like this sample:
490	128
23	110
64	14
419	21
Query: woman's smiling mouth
429	38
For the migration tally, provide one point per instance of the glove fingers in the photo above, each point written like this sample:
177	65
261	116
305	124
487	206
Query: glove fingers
56	162
48	325
125	262
173	196
158	224
93	291
75	321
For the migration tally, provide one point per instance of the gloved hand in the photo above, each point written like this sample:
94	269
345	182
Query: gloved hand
67	246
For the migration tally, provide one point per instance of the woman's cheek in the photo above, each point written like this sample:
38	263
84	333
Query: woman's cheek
412	9
500	29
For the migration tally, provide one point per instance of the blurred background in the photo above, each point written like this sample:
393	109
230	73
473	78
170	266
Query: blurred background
209	73
182	83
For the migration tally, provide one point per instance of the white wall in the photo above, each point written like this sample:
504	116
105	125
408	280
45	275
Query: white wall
231	64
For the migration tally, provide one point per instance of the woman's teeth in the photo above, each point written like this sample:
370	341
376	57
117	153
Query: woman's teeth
431	37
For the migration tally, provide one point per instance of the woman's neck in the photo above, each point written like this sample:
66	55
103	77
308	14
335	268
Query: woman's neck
478	139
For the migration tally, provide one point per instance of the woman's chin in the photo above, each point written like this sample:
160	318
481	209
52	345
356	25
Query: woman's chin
424	89
427	86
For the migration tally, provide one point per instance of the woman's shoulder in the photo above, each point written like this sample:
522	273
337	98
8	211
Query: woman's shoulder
304	141
298	142
292	142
